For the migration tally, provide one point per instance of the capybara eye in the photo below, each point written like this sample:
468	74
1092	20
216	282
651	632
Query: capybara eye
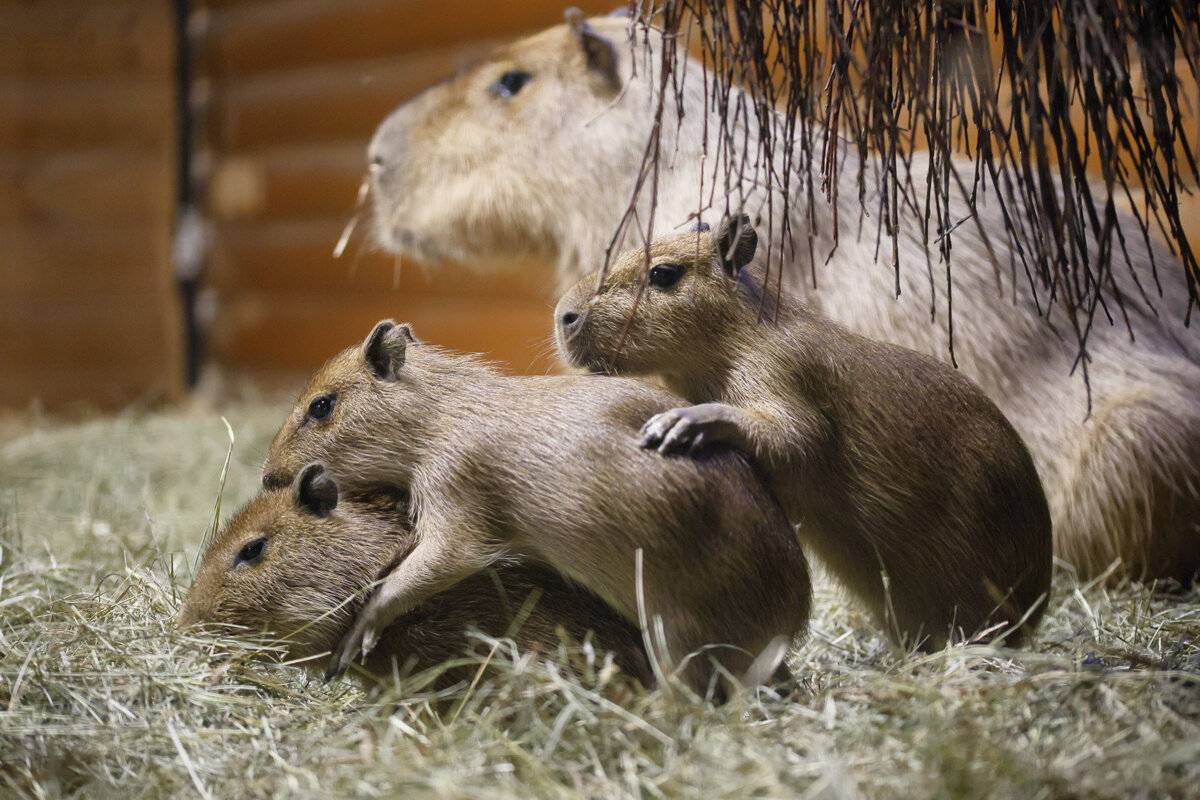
320	407
252	553
509	83
665	275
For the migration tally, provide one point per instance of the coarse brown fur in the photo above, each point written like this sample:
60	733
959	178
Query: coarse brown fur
549	469
462	172
902	476
320	554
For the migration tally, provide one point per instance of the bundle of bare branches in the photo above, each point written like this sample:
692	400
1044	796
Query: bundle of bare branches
1069	109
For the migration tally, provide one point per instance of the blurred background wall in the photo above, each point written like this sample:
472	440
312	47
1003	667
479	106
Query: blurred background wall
283	98
87	152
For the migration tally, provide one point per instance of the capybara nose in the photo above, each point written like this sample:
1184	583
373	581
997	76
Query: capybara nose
569	323
388	146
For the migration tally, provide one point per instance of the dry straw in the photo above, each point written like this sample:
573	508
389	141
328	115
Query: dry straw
100	696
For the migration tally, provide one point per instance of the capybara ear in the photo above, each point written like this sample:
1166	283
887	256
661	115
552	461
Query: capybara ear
385	349
737	242
600	52
314	491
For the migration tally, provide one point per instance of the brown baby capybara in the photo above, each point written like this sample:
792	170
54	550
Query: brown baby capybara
900	473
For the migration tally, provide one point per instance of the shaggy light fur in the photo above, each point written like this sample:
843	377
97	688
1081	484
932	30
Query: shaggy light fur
548	172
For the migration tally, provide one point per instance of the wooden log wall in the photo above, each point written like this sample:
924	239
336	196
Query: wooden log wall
87	157
294	90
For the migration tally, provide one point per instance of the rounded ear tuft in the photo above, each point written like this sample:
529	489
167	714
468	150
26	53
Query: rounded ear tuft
600	52
384	349
314	491
736	242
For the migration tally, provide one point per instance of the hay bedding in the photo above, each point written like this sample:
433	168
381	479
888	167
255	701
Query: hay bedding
99	695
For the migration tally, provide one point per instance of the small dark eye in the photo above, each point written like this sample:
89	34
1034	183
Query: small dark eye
665	275
509	83
251	553
320	407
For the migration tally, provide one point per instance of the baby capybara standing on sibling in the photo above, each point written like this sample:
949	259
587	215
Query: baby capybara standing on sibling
902	476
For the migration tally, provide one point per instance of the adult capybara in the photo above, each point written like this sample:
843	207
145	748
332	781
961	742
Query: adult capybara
535	153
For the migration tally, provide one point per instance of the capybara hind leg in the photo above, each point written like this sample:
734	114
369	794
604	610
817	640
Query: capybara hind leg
1130	488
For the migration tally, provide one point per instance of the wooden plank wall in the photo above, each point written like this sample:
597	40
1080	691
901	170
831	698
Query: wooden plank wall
289	94
87	157
295	89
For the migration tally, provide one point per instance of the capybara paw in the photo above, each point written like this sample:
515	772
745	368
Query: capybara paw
356	646
673	431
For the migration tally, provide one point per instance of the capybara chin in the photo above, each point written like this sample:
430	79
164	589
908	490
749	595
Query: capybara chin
534	153
549	469
297	562
900	473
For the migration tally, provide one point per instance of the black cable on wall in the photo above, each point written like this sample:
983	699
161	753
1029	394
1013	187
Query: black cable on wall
189	248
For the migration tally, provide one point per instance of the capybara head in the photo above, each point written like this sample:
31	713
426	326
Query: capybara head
517	154
339	414
293	567
657	307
